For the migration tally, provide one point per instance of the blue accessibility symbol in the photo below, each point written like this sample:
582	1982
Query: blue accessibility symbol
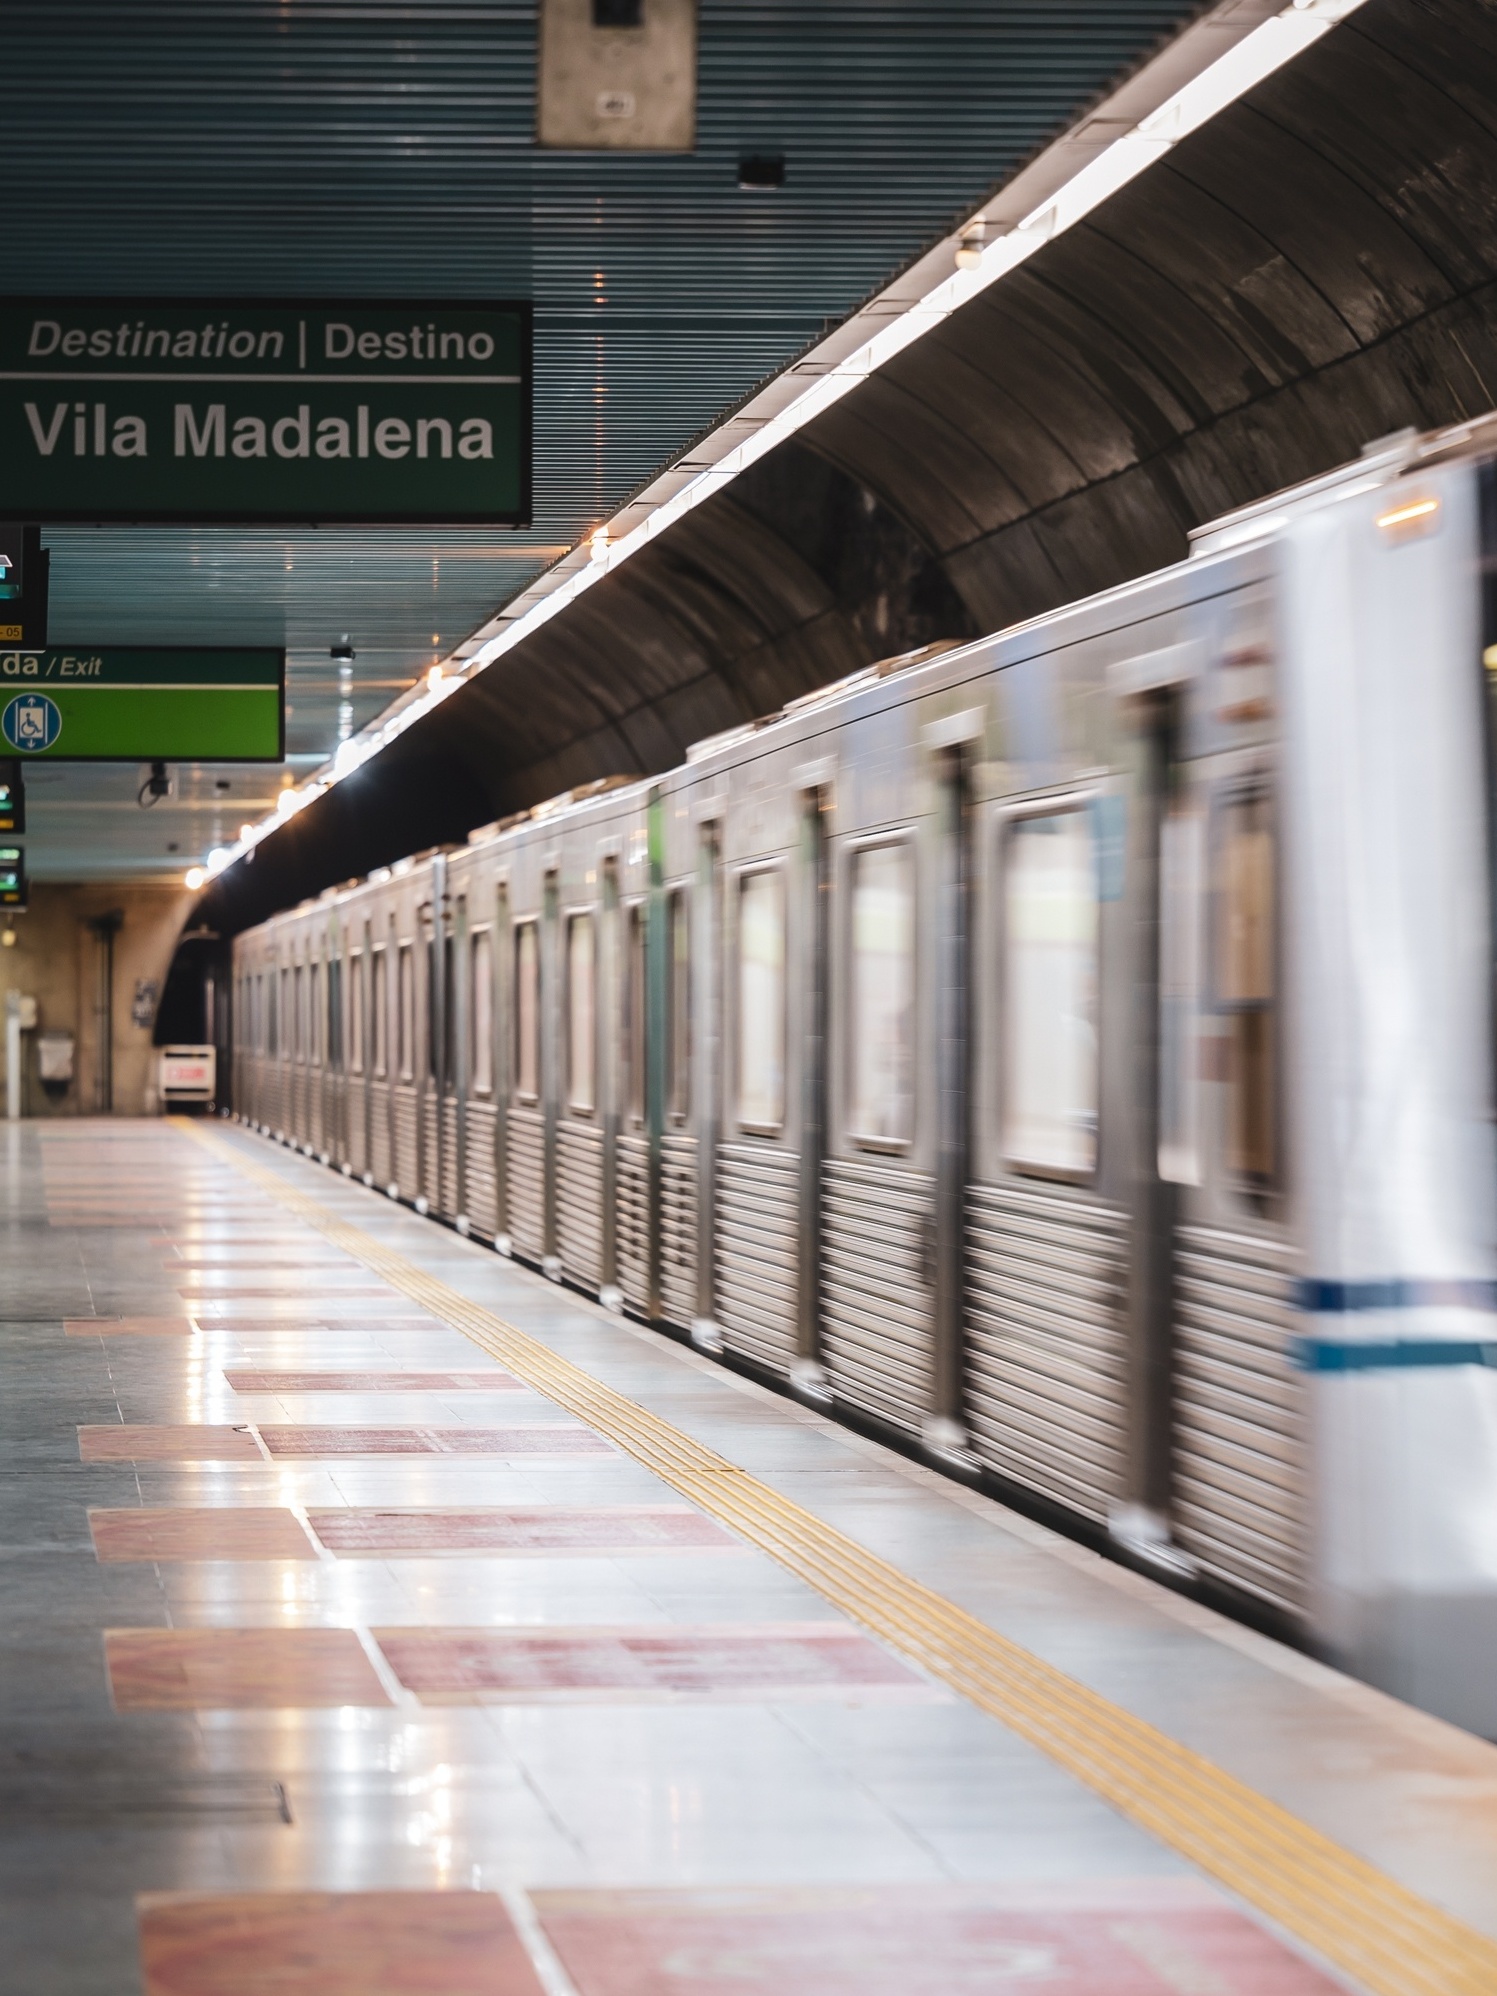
31	723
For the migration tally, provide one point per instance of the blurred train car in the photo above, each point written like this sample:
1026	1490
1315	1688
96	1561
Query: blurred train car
1069	1054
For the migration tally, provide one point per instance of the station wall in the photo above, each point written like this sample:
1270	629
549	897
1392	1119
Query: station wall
58	959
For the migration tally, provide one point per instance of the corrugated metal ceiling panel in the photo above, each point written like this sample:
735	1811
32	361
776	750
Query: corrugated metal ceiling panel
352	148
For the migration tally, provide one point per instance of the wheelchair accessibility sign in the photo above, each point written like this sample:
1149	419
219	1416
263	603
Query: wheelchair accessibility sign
31	722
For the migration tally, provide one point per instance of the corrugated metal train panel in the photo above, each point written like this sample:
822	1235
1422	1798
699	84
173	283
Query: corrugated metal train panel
875	1291
1045	1354
1240	1413
756	1253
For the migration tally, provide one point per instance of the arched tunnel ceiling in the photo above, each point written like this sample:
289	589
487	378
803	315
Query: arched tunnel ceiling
1315	268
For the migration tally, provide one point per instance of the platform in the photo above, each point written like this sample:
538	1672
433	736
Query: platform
383	1618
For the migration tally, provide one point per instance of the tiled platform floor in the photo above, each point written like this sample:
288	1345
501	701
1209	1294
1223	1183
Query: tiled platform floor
331	1662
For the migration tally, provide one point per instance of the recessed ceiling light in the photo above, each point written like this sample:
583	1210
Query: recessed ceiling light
761	169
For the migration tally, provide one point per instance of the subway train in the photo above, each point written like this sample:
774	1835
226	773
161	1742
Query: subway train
1068	1055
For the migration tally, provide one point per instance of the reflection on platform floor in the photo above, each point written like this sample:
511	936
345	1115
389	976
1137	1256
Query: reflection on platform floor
339	1657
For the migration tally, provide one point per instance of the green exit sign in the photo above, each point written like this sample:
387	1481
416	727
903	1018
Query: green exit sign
112	703
236	410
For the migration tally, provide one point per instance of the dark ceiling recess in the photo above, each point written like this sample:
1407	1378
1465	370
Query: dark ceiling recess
762	169
1316	268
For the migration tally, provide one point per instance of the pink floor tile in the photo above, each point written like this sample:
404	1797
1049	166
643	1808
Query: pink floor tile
209	1532
1126	1937
373	1382
622	1529
181	1670
332	1944
774	1663
293	1322
309	1441
128	1327
122	1442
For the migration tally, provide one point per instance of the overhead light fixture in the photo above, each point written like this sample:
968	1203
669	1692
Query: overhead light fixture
194	878
761	170
969	249
1259	53
1412	519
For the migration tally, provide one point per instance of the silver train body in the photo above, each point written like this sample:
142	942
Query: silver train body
1070	1054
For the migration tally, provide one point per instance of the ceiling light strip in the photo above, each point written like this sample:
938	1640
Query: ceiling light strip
1266	49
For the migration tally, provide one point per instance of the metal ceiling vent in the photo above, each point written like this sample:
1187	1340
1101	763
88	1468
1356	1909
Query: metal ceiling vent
617	75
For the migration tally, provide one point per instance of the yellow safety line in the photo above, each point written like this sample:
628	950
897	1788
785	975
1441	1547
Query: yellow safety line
1372	1928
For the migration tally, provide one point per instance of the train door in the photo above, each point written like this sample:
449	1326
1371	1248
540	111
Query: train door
430	1052
382	1014
1232	1484
450	996
1045	1384
299	1035
700	1001
611	986
632	1215
274	1031
552	1033
335	1076
580	1111
673	1137
481	1066
312	1075
504	1061
885	945
405	1173
356	1113
526	1164
759	1159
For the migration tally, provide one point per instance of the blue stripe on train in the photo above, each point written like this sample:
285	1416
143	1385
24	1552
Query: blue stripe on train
1325	1355
1335	1299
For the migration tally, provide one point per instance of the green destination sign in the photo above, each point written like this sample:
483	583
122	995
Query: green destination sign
105	703
135	409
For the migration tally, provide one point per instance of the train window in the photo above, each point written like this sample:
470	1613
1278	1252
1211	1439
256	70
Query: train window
314	1014
678	1029
761	1000
882	1108
356	1046
634	1015
581	1016
299	1013
1050	994
481	1013
1245	979
527	1012
405	1000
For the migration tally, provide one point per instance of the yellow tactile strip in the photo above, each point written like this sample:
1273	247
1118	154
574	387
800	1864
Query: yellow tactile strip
1375	1930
